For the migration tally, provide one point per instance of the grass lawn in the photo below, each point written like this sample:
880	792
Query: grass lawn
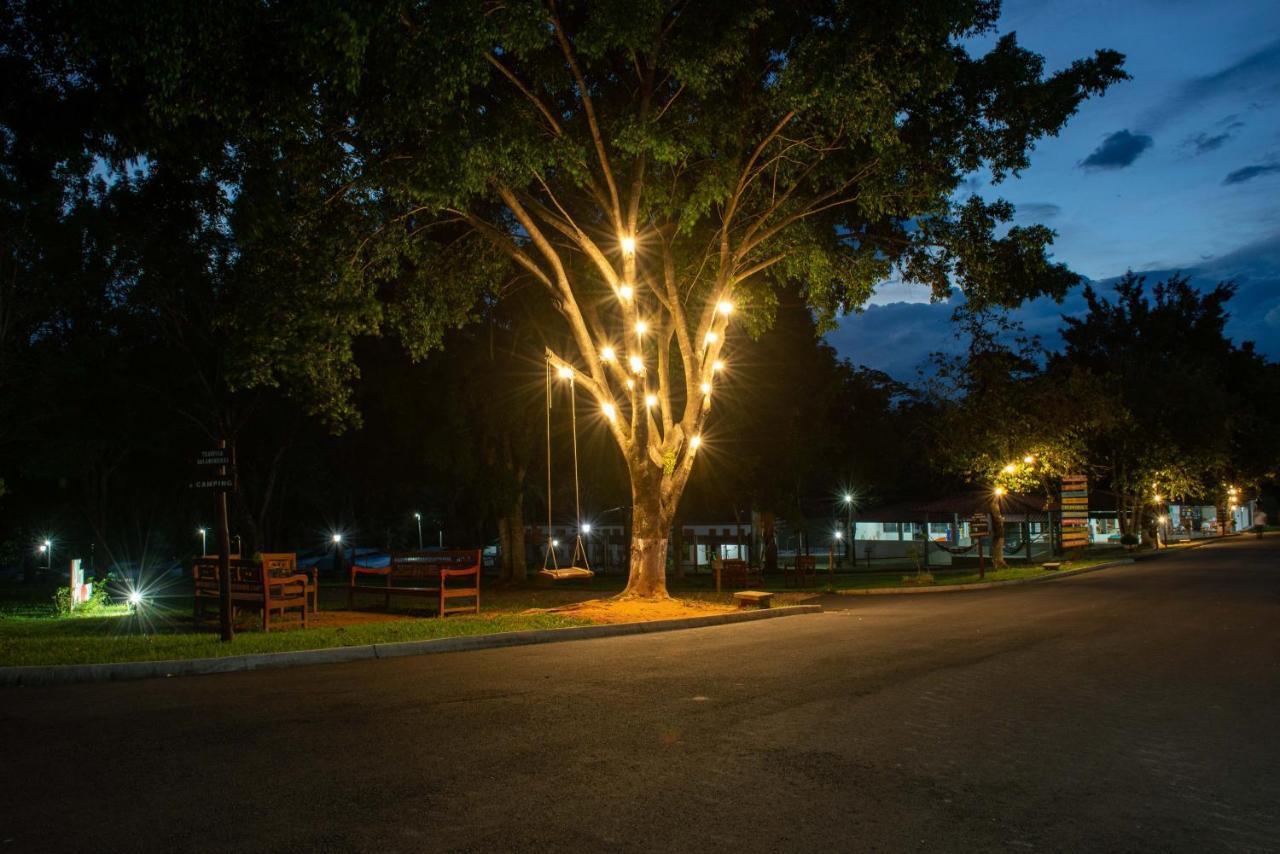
31	633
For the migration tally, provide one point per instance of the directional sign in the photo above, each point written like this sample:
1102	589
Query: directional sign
216	457
1075	511
214	483
979	526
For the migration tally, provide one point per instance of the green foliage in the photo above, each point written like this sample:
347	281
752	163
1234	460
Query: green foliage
97	604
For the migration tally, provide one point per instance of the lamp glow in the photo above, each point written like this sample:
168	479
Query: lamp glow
999	490
555	543
848	498
628	244
717	365
706	388
1028	459
626	291
839	535
586	528
1010	469
565	372
641	327
607	354
337	538
650	400
695	442
609	411
724	307
135	598
712	338
631	383
637	365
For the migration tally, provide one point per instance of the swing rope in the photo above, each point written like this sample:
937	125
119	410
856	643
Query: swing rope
573	570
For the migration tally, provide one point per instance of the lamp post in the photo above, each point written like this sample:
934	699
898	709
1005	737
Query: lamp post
337	555
848	523
204	541
418	518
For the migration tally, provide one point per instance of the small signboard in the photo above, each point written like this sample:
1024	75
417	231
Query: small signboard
215	457
979	526
1074	499
214	483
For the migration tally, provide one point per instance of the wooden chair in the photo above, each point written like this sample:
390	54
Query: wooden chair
733	572
802	570
252	585
285	564
428	574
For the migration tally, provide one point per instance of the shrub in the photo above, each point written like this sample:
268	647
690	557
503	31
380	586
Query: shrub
98	601
1129	540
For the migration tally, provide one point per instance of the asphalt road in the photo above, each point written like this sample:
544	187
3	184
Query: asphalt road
1132	709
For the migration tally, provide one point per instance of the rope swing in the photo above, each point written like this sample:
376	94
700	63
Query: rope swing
579	565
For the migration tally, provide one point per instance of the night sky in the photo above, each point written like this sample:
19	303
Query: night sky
1177	169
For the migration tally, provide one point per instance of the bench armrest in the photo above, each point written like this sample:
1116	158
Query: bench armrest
357	569
280	581
450	573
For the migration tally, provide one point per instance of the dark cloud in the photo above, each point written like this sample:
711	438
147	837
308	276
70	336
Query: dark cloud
1257	75
1117	151
1037	211
1205	143
1248	173
899	337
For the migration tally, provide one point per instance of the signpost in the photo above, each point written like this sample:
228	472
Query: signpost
979	527
1074	505
221	481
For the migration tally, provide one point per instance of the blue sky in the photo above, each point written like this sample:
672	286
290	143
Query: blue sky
1176	169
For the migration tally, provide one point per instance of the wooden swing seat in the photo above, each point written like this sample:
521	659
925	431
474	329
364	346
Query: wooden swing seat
568	573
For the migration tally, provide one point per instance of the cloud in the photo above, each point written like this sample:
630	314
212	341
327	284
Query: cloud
1256	75
1037	211
1205	143
1117	151
1248	173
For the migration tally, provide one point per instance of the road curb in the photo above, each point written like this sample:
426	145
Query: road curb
981	585
66	674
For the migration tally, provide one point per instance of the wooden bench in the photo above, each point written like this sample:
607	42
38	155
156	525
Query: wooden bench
801	570
441	575
252	585
756	598
1052	565
285	564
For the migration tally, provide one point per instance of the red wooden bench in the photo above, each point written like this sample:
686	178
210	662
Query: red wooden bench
285	564
441	575
252	585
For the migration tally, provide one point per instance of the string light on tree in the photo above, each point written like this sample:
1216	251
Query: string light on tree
609	411
641	327
712	338
628	244
626	291
724	307
607	354
999	490
717	366
637	364
695	442
706	388
565	372
650	400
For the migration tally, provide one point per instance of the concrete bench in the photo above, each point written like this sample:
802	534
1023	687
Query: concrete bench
749	598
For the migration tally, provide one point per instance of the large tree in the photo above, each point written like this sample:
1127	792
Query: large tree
658	168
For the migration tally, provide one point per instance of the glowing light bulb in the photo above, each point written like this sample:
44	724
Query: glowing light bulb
650	400
609	411
999	490
631	383
628	244
607	354
337	538
1156	498
695	442
637	365
626	291
706	388
839	535
565	372
712	338
135	598
586	528
717	365
1010	469
1028	459
724	307
641	327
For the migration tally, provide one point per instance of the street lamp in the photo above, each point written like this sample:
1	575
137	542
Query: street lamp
47	548
204	541
848	524
418	518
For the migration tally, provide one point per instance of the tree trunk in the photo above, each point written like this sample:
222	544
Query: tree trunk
997	536
650	529
511	541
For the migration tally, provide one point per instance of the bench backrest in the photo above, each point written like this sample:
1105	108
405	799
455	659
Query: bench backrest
428	564
733	565
243	572
280	563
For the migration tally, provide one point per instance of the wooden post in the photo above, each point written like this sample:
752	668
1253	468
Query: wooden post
982	571
224	558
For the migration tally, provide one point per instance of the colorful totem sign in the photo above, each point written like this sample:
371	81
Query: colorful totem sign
1075	511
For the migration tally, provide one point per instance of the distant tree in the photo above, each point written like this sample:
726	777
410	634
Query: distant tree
1003	423
1172	377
